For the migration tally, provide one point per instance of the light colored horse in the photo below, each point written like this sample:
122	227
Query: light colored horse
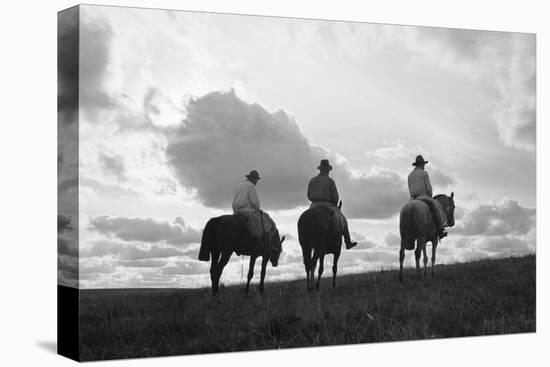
416	224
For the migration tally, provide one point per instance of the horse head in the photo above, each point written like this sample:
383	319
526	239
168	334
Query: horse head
448	205
276	247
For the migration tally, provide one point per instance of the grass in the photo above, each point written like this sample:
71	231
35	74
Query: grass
480	298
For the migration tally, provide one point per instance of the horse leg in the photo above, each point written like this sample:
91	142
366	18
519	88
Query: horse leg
321	269
219	268
306	254
434	247
213	272
335	268
425	260
417	254
401	258
250	272
312	266
265	259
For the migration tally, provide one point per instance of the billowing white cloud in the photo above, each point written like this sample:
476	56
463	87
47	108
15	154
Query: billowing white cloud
505	218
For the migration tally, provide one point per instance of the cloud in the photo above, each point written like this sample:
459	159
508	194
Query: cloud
440	179
186	268
129	252
96	35
97	267
378	194
147	263
498	219
67	270
113	165
63	223
515	115
503	245
67	76
222	138
382	256
392	240
503	60
145	230
66	247
365	244
395	151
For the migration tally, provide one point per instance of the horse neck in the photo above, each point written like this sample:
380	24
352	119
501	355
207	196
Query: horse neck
443	200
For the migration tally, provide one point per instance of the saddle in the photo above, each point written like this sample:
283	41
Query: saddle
333	225
250	240
433	209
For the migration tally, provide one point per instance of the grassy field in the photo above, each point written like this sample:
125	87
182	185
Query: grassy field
480	298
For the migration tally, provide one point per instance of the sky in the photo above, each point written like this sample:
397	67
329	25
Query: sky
176	107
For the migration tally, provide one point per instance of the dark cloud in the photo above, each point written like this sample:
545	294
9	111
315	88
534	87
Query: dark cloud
145	230
506	218
63	223
67	66
95	37
113	165
129	252
223	138
66	247
376	195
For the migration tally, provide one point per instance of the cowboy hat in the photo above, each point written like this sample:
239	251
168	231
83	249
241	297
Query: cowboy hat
253	175
419	161
325	164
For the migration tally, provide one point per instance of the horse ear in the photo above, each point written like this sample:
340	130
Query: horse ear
282	239
452	195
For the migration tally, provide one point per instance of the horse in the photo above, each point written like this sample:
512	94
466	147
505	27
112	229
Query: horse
416	223
318	238
226	234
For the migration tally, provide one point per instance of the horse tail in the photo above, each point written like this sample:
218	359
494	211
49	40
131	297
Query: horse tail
208	239
407	227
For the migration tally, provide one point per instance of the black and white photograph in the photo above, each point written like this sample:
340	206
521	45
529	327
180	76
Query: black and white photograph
235	182
231	182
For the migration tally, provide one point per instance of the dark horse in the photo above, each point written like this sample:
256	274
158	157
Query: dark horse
416	223
318	238
229	233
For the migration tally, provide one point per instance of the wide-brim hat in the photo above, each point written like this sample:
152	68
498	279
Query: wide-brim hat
324	164
253	175
419	161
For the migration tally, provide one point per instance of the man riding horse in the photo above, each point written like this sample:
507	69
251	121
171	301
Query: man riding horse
321	191
247	203
420	188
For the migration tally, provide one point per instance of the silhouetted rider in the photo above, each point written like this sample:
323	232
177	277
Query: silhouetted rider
322	191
